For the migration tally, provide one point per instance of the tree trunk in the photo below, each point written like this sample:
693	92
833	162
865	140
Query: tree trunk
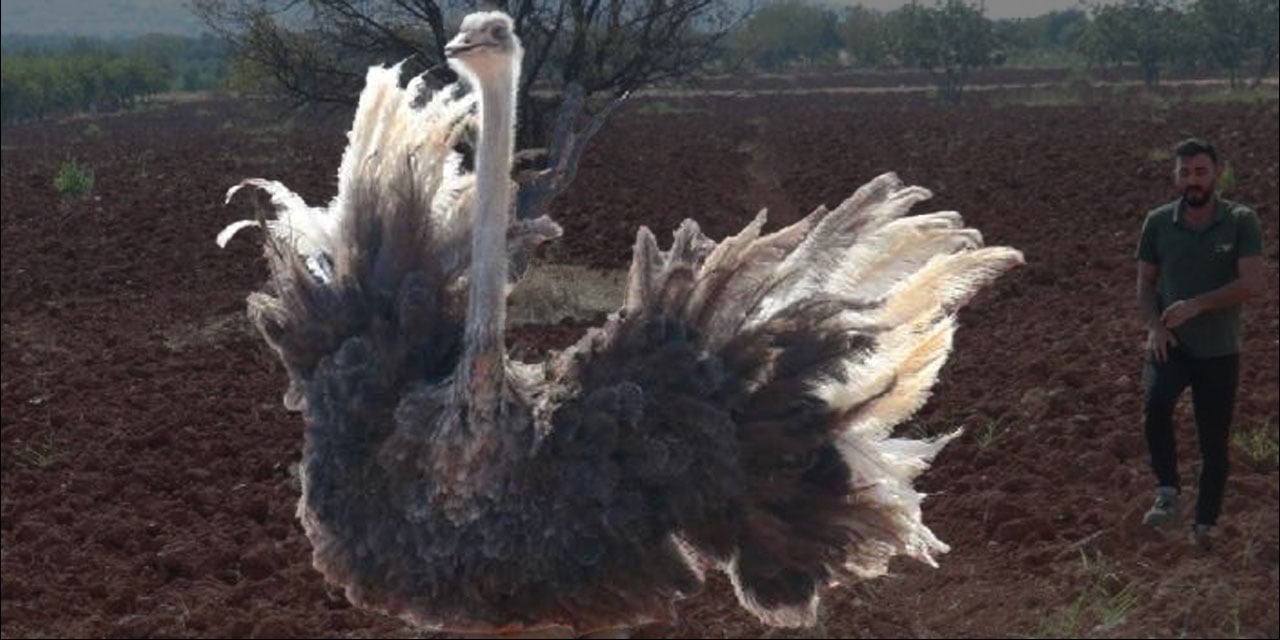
1264	67
1151	74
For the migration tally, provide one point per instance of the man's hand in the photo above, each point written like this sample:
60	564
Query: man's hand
1180	312
1159	339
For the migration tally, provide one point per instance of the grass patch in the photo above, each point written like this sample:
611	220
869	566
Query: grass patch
551	293
1143	105
1227	179
208	332
1260	442
1254	541
1233	619
925	430
139	162
74	180
1064	623
41	454
1245	95
664	108
1105	602
1041	98
935	426
989	432
276	130
92	130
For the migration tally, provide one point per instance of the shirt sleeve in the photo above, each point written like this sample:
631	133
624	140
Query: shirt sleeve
1147	244
1249	235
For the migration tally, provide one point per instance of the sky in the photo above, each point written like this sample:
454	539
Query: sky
108	18
996	9
103	18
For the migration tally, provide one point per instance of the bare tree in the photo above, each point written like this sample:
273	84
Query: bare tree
316	51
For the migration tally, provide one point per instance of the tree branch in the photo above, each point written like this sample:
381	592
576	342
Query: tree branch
537	190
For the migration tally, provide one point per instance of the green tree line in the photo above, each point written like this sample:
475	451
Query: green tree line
32	87
43	75
47	75
951	37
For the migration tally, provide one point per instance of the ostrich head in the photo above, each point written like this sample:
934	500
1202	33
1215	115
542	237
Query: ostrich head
486	45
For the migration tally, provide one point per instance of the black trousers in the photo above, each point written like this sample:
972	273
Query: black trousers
1213	384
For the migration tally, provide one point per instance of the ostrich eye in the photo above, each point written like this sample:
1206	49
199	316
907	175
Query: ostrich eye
499	32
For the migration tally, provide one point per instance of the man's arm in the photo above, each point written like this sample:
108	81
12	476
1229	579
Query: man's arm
1247	285
1148	308
1159	337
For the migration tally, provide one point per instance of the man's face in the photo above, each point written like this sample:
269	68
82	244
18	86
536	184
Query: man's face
1196	177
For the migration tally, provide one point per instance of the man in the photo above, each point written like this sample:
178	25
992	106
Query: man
1198	260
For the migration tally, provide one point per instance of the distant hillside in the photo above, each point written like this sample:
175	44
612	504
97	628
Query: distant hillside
98	18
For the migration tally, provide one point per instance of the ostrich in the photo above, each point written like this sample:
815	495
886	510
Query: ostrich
734	414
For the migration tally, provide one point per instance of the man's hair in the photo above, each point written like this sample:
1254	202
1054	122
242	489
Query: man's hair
1192	147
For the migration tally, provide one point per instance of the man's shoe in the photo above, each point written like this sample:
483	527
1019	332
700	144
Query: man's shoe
1165	509
1202	536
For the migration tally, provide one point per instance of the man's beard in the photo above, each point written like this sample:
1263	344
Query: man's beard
1197	197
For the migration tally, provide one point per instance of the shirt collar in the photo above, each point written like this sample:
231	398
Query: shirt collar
1219	212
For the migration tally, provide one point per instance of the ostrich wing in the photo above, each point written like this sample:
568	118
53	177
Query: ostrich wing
756	382
735	413
395	240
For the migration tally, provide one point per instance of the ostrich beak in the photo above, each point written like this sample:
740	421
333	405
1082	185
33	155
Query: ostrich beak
461	43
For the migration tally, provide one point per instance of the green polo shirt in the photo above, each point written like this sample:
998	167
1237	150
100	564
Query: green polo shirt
1193	262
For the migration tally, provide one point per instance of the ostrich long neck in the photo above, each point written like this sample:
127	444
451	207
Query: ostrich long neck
483	360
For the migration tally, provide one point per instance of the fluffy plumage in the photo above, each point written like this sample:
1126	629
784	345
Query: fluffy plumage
735	413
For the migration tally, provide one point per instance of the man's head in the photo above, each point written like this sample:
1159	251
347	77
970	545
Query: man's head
1196	171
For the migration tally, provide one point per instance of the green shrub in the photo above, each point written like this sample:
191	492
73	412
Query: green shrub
74	180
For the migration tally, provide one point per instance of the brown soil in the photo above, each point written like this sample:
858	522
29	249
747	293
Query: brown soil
146	458
862	78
